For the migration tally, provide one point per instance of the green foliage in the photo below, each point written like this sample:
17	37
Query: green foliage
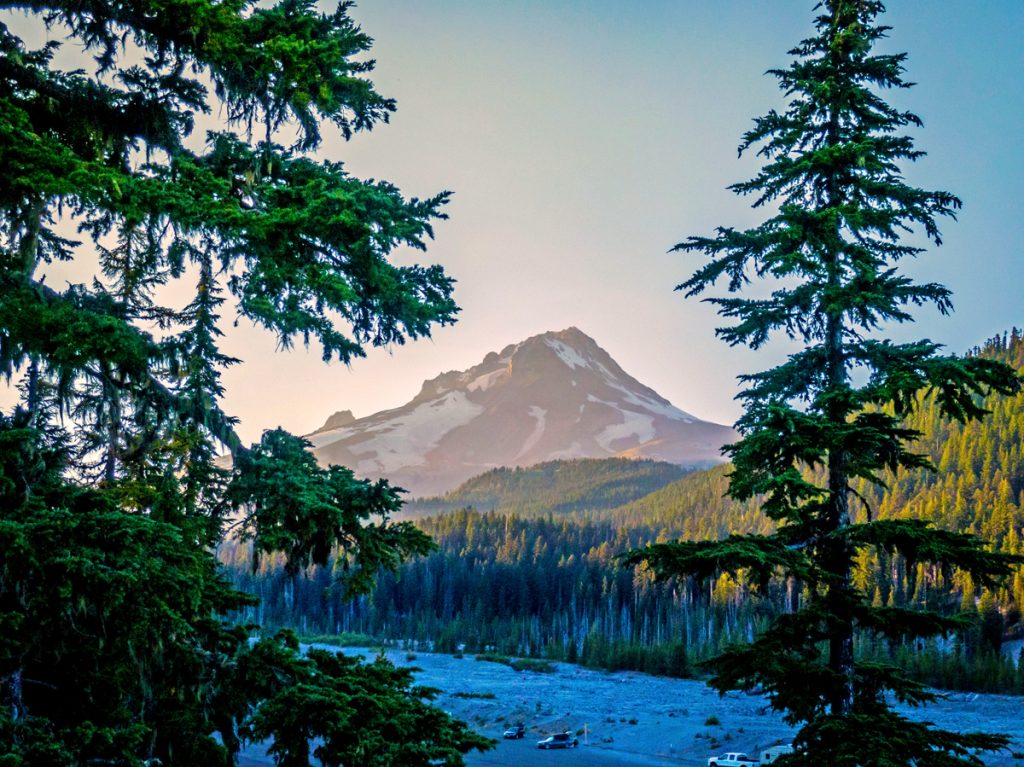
518	664
78	611
759	557
356	713
344	639
833	415
533	664
492	657
554	487
115	641
295	507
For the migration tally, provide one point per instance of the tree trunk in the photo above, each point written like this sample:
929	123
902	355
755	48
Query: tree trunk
838	556
12	696
232	745
28	240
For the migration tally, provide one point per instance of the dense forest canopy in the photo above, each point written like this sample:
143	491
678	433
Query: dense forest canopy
115	641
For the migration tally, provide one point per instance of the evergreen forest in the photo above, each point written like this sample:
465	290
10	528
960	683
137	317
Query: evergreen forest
527	561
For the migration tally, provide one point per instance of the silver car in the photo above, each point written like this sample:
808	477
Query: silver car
559	740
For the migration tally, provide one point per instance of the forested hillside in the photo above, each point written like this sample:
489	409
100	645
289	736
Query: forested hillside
979	483
554	487
539	575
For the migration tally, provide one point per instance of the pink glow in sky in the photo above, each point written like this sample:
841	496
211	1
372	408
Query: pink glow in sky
583	139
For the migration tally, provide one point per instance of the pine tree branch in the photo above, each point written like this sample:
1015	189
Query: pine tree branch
918	541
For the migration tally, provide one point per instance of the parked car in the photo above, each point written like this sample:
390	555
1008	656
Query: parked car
733	759
515	731
769	755
559	740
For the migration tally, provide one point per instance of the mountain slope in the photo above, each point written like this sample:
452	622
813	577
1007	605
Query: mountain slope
555	487
553	396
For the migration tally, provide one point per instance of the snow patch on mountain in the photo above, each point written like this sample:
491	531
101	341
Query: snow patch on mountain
664	408
539	415
567	354
640	427
404	441
327	437
486	381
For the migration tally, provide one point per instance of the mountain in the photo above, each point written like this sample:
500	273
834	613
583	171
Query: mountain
554	396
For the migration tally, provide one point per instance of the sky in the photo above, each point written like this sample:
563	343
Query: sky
583	139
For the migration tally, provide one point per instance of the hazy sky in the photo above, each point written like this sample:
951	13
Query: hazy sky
583	139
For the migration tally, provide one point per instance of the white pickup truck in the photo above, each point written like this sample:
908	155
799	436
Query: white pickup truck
733	759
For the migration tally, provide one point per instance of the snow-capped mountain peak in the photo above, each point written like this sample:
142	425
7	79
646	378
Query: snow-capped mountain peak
555	395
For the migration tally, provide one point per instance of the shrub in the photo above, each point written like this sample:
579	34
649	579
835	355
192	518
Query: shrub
493	657
533	664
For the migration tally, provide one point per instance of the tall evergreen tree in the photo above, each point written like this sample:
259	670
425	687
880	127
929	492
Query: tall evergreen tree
116	645
831	415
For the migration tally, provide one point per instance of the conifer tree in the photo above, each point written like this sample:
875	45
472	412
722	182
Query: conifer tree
116	642
830	416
